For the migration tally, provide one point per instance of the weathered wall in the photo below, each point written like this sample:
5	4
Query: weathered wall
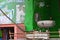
13	9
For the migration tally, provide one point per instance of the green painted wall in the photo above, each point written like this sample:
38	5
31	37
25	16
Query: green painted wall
55	15
29	15
51	9
44	12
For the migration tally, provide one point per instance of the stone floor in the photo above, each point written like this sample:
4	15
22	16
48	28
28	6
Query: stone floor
37	39
45	39
54	39
11	39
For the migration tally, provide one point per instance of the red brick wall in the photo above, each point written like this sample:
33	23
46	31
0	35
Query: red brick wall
17	32
20	34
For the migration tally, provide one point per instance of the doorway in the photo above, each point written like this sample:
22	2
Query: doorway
7	33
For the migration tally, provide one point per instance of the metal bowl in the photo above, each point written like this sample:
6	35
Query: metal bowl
46	23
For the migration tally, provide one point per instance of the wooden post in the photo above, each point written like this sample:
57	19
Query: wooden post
33	35
59	32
